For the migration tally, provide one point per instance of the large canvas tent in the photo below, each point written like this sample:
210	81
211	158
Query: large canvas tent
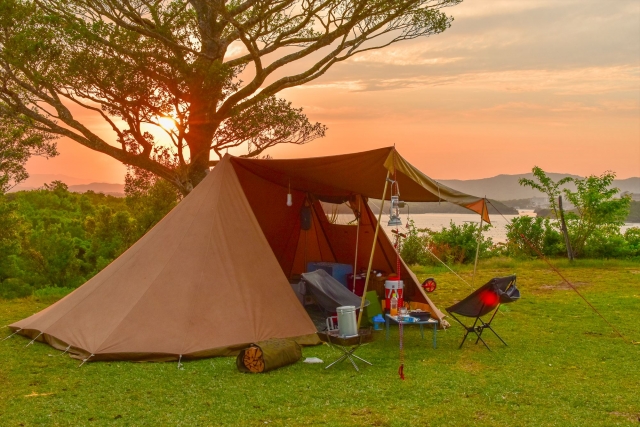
212	276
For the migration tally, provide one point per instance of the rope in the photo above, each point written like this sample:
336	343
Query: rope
33	340
85	360
6	338
561	275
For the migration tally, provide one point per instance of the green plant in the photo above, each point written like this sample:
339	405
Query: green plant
524	232
412	249
597	207
14	288
458	243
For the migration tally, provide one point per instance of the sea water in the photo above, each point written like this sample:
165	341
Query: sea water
438	221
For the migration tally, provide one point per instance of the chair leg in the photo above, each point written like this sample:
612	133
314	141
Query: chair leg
496	334
464	339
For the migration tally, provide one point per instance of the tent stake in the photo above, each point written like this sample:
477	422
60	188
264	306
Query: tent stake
6	338
85	360
373	249
67	349
33	340
179	359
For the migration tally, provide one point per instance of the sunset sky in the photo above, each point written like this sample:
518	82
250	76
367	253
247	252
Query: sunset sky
510	85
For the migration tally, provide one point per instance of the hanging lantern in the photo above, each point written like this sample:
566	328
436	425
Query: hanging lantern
289	196
394	211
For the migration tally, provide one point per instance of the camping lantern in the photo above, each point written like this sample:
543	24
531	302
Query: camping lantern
394	211
289	196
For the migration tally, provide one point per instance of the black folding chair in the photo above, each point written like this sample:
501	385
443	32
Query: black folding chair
499	290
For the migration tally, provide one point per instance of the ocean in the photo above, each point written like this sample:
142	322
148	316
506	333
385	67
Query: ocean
497	232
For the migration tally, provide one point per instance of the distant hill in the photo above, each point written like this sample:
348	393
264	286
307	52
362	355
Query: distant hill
506	187
99	187
76	185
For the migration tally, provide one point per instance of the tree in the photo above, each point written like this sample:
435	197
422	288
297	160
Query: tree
205	72
547	186
597	207
18	142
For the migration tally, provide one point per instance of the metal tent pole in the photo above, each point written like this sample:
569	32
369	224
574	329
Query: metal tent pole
475	264
355	261
373	249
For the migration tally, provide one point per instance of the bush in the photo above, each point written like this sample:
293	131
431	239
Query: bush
608	243
14	288
51	294
458	243
412	249
538	232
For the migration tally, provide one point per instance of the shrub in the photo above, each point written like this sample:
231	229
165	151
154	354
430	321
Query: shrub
412	249
51	294
608	242
14	288
458	243
538	232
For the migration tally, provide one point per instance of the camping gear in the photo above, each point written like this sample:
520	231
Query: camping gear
391	288
268	355
487	298
233	239
377	321
347	346
420	315
328	292
373	308
336	270
429	285
401	322
347	321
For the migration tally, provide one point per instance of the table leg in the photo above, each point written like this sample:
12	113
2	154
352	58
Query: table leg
386	319
421	331
435	331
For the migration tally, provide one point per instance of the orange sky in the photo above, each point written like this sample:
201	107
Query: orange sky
510	85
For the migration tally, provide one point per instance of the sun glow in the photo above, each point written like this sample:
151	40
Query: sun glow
167	123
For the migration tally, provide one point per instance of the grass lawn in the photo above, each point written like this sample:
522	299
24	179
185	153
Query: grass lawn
563	367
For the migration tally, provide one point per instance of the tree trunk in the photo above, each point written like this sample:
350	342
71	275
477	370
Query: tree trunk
565	232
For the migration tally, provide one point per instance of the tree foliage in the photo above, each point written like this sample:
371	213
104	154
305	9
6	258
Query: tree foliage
599	211
19	140
214	68
54	238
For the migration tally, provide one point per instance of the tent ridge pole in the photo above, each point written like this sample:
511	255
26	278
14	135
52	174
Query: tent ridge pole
373	248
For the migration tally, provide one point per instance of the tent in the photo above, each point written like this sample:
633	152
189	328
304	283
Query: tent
212	276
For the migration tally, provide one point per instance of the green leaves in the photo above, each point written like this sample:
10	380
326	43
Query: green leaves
18	142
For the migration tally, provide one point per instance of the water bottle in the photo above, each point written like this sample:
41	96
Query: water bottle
393	309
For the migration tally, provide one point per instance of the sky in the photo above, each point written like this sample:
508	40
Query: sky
511	85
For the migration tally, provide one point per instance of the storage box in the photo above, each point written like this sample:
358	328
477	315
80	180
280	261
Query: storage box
336	270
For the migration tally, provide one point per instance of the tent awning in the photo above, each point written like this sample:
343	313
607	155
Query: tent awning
343	176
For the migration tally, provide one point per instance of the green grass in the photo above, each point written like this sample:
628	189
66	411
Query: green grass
563	367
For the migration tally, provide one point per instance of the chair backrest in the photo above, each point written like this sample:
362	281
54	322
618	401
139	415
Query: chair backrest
485	299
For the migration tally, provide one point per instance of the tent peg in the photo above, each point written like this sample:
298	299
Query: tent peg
65	351
33	340
85	360
6	338
179	360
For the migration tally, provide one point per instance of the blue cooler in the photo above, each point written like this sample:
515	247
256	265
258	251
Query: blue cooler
336	270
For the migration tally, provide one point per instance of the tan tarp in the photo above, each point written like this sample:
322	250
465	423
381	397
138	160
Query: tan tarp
211	277
340	177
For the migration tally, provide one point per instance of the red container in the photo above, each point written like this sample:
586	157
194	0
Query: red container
391	286
360	279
